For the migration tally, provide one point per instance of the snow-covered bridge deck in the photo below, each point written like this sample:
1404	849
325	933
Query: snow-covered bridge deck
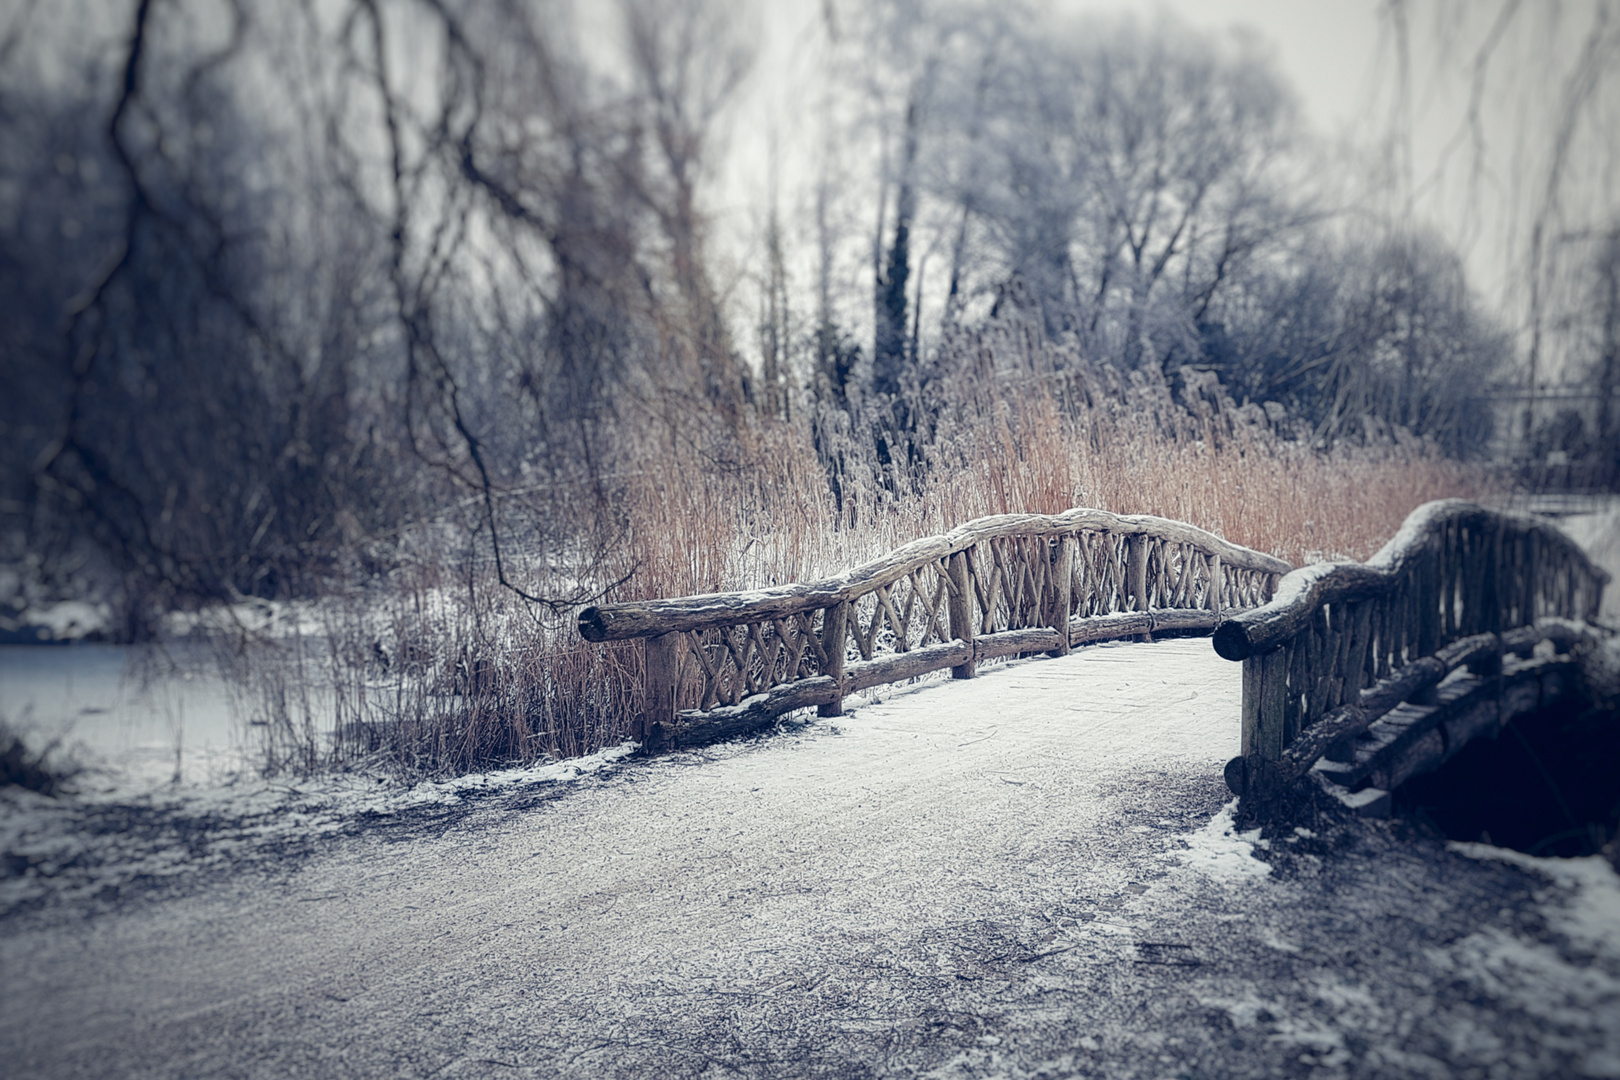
1026	874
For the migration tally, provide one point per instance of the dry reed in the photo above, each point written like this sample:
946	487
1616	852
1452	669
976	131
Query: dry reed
439	670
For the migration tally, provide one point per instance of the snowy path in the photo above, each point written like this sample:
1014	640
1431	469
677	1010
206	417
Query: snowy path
1022	875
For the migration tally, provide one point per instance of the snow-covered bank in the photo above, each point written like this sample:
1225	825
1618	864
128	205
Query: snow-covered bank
59	850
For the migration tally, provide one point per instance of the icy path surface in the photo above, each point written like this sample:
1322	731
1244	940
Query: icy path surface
1031	874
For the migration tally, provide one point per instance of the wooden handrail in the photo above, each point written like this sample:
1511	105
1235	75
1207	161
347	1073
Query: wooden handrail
996	586
615	622
1341	644
1305	590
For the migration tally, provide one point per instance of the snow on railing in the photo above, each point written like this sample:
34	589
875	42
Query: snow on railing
996	586
1344	664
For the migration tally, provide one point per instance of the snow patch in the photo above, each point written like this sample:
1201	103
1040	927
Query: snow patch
1219	851
52	851
1244	1011
68	620
1585	906
1575	990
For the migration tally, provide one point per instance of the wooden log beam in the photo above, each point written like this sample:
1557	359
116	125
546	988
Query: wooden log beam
1012	642
907	665
1289	612
1183	619
748	714
1420	674
1564	633
1087	629
615	622
1302	591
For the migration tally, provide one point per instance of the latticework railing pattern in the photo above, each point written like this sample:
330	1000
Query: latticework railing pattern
994	587
1341	644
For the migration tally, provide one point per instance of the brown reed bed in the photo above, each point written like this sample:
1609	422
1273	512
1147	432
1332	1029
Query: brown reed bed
439	670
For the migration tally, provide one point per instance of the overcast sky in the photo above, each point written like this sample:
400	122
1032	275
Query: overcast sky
1480	186
1326	49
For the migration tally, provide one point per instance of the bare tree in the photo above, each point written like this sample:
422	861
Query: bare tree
317	236
1524	177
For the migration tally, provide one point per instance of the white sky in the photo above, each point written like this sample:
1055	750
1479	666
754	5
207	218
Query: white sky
1325	47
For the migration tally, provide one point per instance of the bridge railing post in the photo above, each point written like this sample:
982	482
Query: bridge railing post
833	623
1062	582
660	688
1136	560
960	609
1265	698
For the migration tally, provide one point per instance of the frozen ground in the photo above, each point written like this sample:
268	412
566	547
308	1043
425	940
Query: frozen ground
1032	874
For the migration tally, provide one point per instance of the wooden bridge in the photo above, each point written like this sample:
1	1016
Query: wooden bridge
1033	872
1371	673
1374	673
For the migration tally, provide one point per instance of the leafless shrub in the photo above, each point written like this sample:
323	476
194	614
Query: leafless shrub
45	770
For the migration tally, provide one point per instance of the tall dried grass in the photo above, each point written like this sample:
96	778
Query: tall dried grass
438	670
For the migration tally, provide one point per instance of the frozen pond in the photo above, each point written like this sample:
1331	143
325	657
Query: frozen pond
136	716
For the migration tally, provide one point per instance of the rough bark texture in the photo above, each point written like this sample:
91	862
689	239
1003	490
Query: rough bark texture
1302	591
614	622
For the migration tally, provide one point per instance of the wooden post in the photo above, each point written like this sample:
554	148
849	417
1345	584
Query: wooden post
1361	633
1265	696
660	689
833	621
1528	569
1215	586
1492	593
1063	581
1430	578
1136	575
961	610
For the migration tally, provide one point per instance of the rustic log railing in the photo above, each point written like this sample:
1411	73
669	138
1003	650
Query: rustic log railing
1346	660
997	586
